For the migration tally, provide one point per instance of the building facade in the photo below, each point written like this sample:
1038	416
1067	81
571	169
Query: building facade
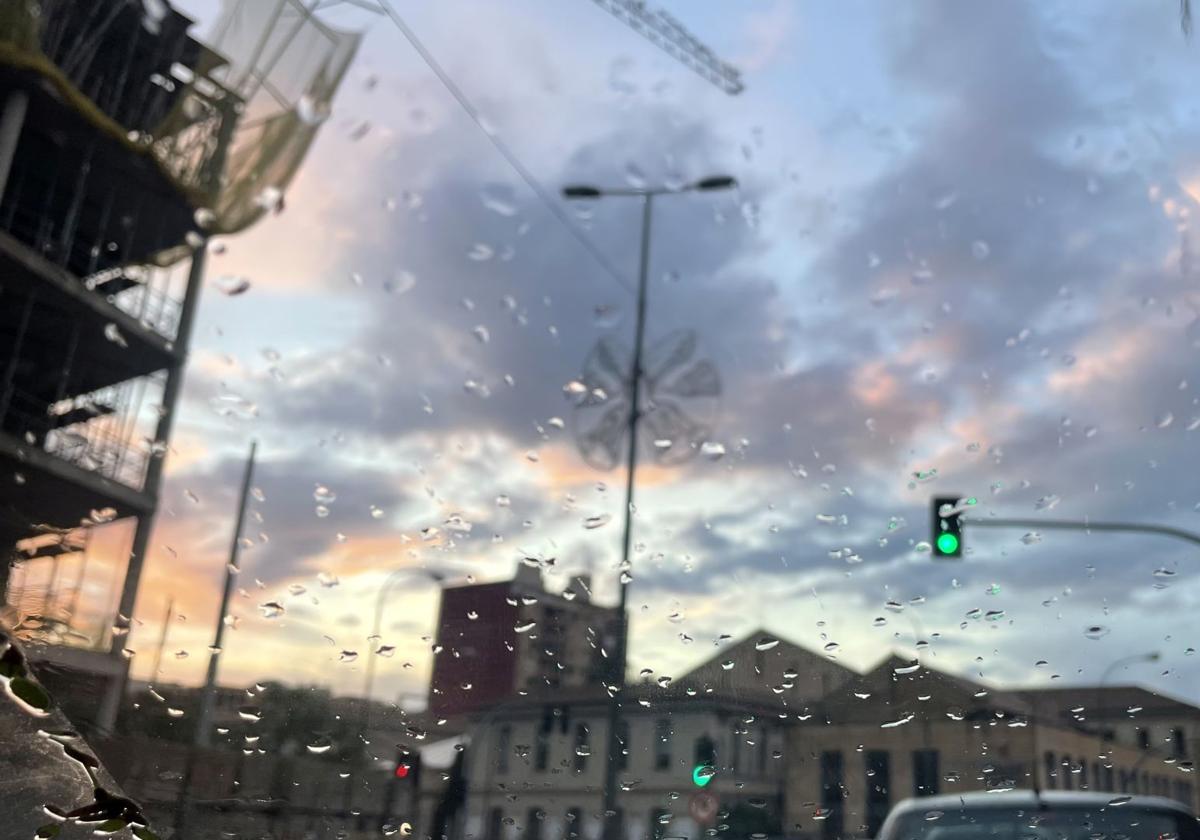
535	768
904	730
498	639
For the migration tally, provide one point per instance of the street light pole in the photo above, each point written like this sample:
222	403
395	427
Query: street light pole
436	577
710	184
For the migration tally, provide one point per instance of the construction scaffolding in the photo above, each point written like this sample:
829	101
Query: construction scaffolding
125	145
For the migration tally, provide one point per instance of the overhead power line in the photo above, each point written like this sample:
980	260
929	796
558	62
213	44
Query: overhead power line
544	195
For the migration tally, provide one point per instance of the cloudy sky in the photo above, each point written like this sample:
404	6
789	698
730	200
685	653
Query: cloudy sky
958	263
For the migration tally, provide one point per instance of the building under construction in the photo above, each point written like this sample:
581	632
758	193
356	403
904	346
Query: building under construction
125	143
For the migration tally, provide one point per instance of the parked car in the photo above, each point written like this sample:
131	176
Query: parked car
1028	815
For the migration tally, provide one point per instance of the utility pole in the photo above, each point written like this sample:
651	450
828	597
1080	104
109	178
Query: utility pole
201	737
162	640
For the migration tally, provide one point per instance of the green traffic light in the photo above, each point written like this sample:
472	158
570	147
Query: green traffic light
702	774
947	543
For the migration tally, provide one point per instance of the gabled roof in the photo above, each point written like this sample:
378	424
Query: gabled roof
899	687
764	664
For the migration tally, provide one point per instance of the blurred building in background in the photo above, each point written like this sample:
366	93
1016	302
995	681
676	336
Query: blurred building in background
499	639
904	730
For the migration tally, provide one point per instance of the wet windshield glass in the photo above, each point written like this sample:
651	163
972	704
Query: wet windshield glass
596	419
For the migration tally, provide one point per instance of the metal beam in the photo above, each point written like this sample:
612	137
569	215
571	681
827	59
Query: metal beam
1087	525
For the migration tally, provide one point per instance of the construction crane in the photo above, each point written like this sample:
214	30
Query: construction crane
668	34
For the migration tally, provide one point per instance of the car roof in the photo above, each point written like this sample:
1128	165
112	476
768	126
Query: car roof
978	800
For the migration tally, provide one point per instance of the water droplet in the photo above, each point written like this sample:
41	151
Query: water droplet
599	521
1031	538
480	252
324	495
500	199
766	643
310	111
114	335
712	450
1165	419
272	609
892	724
400	283
231	285
319	747
635	177
1047	502
606	316
376	512
980	250
175	713
348	656
1119	800
1096	631
481	334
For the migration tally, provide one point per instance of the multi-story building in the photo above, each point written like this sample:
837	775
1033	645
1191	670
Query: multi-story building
904	729
1124	714
536	766
499	639
112	136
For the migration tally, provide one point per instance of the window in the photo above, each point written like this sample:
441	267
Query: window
573	829
533	824
660	818
1178	744
1051	771
662	744
1144	738
1083	774
831	794
735	753
1064	771
541	751
925	772
582	747
495	824
503	749
706	751
761	746
878	782
623	745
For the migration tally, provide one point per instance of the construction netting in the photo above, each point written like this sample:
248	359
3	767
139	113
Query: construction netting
286	65
229	122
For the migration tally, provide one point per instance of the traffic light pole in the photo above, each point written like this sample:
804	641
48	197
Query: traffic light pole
1085	525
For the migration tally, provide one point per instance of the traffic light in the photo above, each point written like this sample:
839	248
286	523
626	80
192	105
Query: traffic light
947	525
706	762
405	784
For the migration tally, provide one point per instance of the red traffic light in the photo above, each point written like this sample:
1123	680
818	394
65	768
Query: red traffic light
402	771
